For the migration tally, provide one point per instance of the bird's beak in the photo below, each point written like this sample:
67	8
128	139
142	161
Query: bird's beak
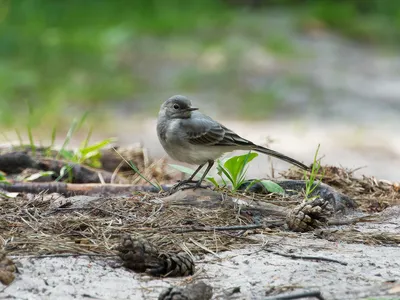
192	108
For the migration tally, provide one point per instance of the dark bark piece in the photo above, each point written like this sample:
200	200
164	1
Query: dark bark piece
300	295
141	256
309	215
80	173
16	162
72	189
193	291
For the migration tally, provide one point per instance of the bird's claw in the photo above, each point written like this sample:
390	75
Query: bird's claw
197	186
187	184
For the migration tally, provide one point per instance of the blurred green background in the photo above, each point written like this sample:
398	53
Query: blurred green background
59	58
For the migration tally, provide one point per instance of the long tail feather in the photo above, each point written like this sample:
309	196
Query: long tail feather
281	156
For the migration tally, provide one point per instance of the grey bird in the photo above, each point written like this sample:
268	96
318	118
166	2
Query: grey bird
189	136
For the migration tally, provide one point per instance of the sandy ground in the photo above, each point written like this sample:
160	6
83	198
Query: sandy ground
258	273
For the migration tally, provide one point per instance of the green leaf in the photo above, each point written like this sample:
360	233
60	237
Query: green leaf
10	195
222	170
53	137
213	181
272	187
38	175
3	179
236	167
94	148
85	143
219	171
31	142
236	164
67	155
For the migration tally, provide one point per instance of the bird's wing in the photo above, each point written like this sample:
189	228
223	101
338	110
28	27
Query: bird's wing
205	131
233	139
202	131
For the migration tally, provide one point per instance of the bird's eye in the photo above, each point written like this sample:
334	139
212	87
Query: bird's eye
176	106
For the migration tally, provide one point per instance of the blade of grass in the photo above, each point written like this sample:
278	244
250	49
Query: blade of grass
31	143
68	137
243	165
76	125
52	141
310	181
132	165
82	120
19	137
53	137
86	141
221	170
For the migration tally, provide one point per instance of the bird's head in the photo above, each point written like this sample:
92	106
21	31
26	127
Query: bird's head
177	107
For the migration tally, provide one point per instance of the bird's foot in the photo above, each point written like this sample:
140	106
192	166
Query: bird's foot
196	186
187	184
186	181
183	183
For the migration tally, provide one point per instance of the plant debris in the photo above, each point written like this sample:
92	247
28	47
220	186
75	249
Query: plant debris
49	223
373	195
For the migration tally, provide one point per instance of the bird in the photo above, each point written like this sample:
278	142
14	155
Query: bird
189	136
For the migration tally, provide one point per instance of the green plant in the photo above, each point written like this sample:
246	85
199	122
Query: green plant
19	137
53	141
88	154
3	179
31	141
38	175
234	171
311	181
75	126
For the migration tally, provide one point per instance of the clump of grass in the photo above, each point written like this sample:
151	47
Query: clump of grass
29	128
311	181
88	154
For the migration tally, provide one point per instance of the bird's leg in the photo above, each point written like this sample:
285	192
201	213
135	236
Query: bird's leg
210	164
190	179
